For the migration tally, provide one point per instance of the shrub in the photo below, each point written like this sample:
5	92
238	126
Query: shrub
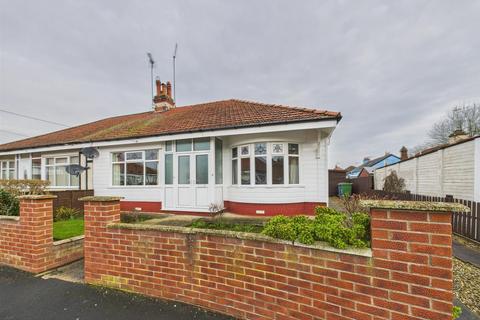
65	213
336	228
392	183
25	187
9	204
456	312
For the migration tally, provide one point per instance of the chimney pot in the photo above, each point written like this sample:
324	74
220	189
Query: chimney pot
169	89
403	153
158	84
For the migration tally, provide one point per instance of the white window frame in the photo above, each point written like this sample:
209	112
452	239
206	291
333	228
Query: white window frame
143	160
5	167
54	165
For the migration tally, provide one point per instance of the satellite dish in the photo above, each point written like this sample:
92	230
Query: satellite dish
90	152
75	169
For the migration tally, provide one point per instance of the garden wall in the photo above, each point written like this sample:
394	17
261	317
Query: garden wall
26	242
406	275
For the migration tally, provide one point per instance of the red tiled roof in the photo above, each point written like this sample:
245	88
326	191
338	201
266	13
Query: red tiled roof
201	117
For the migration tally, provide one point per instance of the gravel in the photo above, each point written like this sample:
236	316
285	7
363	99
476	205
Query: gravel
466	284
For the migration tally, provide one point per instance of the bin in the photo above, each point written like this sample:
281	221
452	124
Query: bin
344	189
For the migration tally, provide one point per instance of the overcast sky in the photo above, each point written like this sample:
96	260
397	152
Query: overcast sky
391	67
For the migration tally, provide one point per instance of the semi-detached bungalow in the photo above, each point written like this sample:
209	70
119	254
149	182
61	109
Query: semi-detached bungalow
248	157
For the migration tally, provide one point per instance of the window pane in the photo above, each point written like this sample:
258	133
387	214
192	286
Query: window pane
184	169
260	148
118	157
74	160
260	170
292	148
151	154
201	144
134	155
235	171
218	161
245	170
74	181
37	162
169	169
118	174
49	160
151	173
234	152
61	176
36	173
277	148
61	160
201	164
11	174
293	170
51	175
169	146
277	170
134	173
184	145
244	151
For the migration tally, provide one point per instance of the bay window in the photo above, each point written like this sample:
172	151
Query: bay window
265	163
135	168
56	171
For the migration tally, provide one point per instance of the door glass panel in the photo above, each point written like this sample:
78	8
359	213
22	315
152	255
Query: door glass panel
184	170
169	169
201	164
201	144
218	162
234	171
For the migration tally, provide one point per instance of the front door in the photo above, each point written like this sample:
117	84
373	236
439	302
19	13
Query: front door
191	187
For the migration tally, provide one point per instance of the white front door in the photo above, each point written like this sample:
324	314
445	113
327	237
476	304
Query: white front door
190	183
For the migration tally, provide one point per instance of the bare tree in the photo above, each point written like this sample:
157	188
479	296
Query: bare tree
465	117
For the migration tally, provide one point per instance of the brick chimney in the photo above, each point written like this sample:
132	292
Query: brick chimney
163	100
403	153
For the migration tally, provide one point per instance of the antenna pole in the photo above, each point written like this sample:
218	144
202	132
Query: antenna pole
174	60
152	62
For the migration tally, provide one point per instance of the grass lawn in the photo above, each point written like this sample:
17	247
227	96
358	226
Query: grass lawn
67	229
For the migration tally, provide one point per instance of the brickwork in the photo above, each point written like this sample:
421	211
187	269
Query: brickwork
27	243
407	275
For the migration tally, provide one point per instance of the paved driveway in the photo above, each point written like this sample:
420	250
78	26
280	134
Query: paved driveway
23	296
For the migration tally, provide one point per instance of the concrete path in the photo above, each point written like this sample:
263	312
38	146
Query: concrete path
466	254
23	296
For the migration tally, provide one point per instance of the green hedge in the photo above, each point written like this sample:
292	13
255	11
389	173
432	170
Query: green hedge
337	228
9	204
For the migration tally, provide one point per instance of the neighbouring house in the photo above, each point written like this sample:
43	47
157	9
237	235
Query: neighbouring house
449	169
248	157
370	165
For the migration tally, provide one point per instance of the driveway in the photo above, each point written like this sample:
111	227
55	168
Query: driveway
24	296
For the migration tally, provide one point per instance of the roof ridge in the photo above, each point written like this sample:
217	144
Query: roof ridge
299	108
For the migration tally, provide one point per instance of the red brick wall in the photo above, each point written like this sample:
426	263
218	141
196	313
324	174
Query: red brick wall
409	275
27	243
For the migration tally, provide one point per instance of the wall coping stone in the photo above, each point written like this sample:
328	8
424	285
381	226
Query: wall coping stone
72	239
415	205
365	252
100	199
37	197
11	218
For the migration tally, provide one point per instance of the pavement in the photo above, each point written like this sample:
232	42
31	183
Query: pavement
24	296
466	313
466	253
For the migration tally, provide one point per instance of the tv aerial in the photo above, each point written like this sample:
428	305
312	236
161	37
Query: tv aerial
90	152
